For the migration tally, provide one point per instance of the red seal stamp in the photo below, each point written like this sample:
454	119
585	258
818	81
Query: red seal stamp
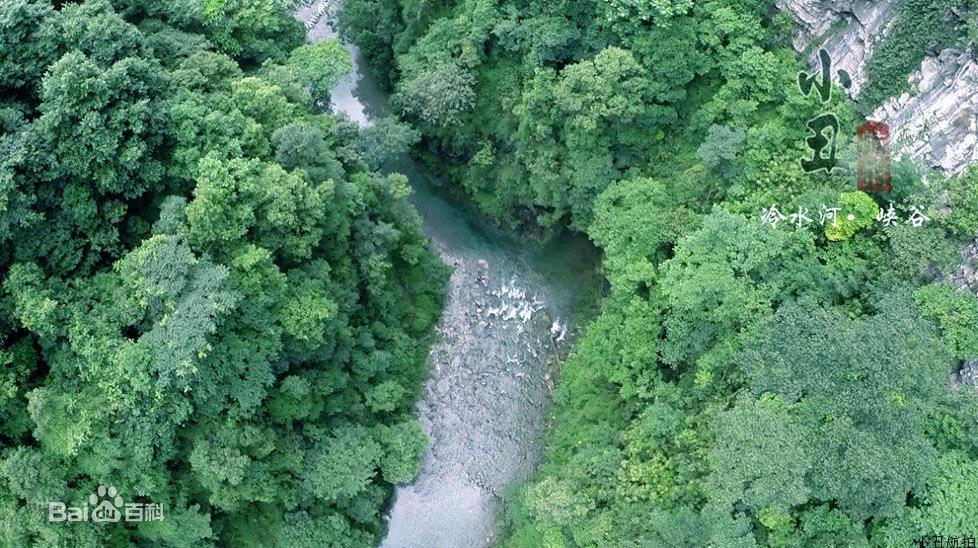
873	157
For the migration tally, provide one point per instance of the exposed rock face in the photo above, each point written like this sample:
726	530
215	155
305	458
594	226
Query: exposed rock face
937	125
847	29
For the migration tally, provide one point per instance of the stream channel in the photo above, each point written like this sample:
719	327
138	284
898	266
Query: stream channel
505	327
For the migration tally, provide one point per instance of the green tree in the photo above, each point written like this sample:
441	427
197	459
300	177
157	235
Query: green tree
720	149
252	30
748	436
321	66
28	42
438	96
864	387
856	211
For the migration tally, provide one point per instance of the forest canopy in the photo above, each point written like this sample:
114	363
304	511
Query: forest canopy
213	299
788	383
209	298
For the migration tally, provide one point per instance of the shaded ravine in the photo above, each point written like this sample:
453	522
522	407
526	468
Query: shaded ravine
504	329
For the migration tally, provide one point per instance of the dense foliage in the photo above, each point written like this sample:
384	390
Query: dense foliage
209	299
744	385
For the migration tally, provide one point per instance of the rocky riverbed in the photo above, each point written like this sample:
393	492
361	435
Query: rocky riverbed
501	336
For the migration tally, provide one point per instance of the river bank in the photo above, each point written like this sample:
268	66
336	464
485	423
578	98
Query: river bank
507	324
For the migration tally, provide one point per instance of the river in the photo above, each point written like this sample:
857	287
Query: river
507	322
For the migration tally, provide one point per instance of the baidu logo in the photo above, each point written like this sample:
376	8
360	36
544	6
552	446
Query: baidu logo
105	506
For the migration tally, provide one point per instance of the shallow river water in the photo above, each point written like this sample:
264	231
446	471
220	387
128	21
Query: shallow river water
504	329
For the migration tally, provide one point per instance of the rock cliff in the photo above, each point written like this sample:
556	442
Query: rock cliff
936	124
847	29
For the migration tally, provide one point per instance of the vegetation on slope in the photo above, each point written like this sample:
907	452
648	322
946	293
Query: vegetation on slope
744	385
209	299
